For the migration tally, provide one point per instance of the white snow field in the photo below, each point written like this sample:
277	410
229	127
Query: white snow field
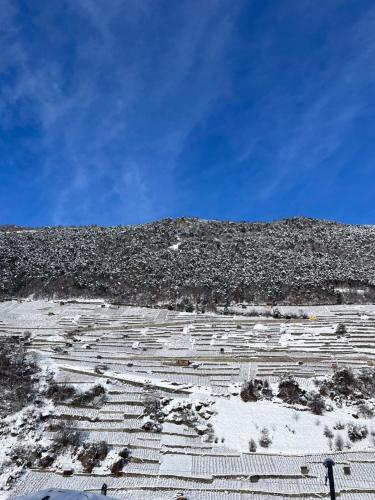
196	363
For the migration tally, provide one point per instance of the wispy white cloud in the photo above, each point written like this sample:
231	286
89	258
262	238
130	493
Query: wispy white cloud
113	129
333	100
115	91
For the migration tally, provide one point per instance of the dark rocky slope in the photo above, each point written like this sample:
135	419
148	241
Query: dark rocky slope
294	261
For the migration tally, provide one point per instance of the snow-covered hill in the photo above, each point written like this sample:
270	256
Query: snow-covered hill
193	264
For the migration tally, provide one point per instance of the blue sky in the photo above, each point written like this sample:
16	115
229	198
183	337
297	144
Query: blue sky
121	111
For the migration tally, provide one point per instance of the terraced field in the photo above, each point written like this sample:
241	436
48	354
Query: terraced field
198	360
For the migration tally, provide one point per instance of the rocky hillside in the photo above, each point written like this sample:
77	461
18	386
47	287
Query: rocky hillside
185	262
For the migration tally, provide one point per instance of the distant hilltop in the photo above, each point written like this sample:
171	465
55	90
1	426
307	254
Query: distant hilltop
193	264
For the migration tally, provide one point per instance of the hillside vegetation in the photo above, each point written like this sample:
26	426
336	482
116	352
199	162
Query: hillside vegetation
184	262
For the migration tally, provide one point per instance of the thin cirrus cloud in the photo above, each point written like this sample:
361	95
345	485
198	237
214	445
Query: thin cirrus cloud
335	102
123	112
303	141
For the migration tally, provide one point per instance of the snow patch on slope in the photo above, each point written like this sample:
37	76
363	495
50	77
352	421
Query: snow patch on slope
292	431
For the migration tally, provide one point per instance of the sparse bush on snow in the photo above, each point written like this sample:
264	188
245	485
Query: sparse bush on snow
339	442
65	437
94	396
316	403
152	405
252	446
339	426
26	454
356	432
255	389
265	439
327	432
341	330
91	454
117	466
60	392
365	411
290	391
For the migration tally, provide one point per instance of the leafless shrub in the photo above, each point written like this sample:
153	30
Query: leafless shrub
152	426
125	453
327	432
46	460
356	432
255	389
152	405
117	466
348	445
339	426
341	330
26	454
94	396
252	446
290	391
345	383
210	434
65	437
265	439
365	411
60	392
316	403
339	442
92	454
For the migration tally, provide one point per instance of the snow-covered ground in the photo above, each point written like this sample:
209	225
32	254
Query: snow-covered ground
292	431
194	364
